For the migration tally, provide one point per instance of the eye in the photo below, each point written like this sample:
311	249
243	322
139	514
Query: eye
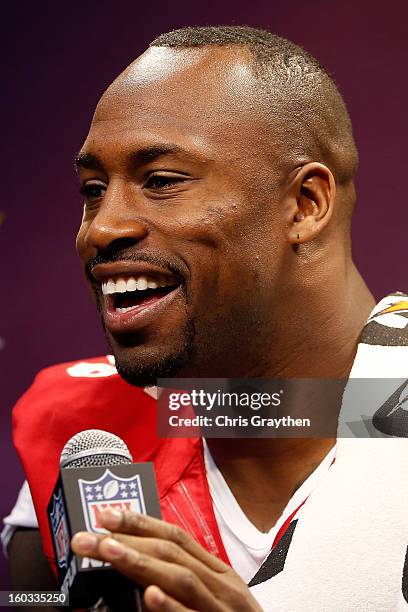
161	182
93	191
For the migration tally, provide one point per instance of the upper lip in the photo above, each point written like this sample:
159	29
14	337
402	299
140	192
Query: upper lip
103	272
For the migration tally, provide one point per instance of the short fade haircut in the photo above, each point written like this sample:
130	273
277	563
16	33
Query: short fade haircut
299	92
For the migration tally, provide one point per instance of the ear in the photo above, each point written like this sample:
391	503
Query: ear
312	196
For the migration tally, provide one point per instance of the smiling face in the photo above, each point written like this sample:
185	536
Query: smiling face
184	232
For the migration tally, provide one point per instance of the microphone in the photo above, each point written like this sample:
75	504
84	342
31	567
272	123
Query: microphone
97	472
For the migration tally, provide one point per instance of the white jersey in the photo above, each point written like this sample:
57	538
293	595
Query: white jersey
246	546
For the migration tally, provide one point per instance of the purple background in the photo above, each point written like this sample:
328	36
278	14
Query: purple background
59	58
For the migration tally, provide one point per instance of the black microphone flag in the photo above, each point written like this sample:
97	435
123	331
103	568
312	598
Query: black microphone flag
79	496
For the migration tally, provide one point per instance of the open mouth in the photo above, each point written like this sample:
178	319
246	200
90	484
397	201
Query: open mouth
135	293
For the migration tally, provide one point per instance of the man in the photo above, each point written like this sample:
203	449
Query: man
218	185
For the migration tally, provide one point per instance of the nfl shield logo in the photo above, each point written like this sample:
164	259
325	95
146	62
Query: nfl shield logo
60	529
109	491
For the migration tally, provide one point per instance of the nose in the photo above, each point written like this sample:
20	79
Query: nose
117	220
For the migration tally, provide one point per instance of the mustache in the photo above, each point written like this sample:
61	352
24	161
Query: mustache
170	264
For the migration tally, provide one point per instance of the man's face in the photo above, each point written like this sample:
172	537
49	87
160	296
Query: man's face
182	235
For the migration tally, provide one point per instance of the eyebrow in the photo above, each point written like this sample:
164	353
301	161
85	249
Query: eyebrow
87	160
142	156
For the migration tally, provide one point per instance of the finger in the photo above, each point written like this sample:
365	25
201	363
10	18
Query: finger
172	553
155	599
176	581
141	525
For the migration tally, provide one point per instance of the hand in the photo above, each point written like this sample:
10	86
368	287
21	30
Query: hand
179	574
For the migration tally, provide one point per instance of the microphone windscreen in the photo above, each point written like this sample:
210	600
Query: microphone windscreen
94	447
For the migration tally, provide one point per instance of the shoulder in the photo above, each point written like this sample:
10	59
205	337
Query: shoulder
388	322
83	394
74	384
383	346
66	373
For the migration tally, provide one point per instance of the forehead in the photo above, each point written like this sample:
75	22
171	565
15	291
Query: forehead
212	79
208	95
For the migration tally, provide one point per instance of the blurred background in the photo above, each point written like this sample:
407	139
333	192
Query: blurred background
58	59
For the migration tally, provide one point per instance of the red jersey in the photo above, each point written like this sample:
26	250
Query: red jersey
71	397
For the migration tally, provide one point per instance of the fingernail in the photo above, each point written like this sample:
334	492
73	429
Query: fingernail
111	518
158	596
155	595
84	542
113	548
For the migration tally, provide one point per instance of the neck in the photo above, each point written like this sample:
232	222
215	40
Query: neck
318	330
264	474
319	340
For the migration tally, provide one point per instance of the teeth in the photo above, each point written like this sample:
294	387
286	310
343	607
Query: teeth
121	286
133	283
110	287
141	283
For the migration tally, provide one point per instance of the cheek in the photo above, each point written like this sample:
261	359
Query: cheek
232	254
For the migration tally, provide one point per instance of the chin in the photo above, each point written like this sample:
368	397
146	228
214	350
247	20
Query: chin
141	365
